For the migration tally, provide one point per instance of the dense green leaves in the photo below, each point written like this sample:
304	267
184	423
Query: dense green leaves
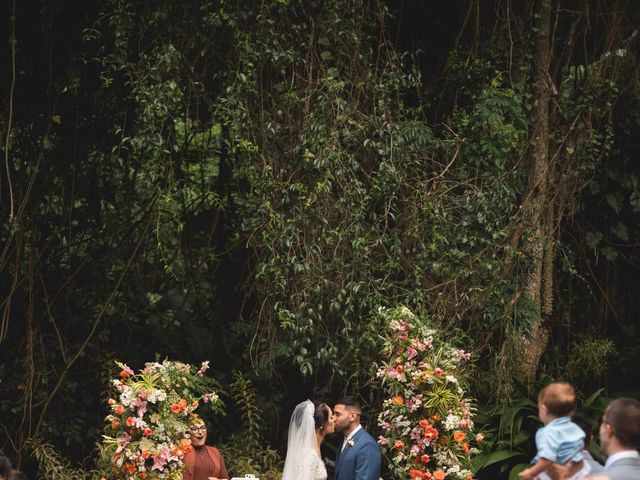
248	182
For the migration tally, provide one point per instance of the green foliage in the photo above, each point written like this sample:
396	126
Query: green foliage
251	181
510	430
52	466
589	355
245	450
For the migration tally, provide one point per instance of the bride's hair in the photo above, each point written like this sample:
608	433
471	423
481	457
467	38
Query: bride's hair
320	413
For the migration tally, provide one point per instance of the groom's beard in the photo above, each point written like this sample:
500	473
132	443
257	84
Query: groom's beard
339	429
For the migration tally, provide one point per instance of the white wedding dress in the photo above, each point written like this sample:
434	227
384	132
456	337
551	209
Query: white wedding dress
303	462
312	467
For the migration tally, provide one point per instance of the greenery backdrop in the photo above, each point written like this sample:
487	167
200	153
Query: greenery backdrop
248	182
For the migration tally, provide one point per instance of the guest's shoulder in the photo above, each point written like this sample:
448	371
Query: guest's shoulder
213	450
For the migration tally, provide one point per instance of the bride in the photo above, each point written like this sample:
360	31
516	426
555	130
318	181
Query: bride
310	423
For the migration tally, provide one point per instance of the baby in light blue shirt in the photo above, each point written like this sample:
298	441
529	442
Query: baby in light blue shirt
560	440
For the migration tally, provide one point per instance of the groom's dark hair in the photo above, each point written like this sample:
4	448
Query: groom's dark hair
351	402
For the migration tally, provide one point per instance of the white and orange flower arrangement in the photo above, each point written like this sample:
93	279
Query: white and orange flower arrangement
146	436
426	419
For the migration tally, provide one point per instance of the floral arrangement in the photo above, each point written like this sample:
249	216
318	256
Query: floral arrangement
426	419
146	436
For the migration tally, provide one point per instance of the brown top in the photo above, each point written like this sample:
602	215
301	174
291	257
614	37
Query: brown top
202	463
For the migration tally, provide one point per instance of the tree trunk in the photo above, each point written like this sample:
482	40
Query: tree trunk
538	244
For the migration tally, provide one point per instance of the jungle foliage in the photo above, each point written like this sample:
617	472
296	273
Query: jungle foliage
249	182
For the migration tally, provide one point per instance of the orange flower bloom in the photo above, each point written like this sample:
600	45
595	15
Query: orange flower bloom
416	473
182	403
465	447
115	423
425	458
430	433
175	408
398	400
130	468
399	369
147	432
459	436
434	418
145	454
124	374
111	401
423	423
439	475
119	409
130	421
398	445
143	475
185	445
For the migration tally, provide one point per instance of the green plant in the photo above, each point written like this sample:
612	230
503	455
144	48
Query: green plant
247	447
52	465
510	430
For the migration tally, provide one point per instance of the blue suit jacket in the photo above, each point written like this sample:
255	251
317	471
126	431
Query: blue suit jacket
360	461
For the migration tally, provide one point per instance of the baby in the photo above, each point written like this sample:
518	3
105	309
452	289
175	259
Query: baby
560	440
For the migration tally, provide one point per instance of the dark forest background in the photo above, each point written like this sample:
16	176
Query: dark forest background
248	182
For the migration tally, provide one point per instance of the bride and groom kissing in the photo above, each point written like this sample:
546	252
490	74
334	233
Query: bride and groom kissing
359	456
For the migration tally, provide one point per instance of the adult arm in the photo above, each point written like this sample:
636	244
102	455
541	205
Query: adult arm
540	466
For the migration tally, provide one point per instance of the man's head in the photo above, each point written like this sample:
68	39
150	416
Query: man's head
198	432
347	413
5	466
17	475
557	399
620	426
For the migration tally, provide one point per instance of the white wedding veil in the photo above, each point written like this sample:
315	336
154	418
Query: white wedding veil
301	443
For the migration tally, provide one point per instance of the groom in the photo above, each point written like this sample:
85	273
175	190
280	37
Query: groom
359	456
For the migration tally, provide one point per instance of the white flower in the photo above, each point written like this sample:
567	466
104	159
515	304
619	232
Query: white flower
451	422
451	379
127	397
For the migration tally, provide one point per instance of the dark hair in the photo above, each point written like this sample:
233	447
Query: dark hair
559	398
623	414
17	475
350	402
5	466
320	413
585	424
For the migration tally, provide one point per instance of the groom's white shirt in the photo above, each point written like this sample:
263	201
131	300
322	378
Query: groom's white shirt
346	439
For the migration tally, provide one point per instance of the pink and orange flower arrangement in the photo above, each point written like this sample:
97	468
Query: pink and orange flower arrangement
426	419
146	436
